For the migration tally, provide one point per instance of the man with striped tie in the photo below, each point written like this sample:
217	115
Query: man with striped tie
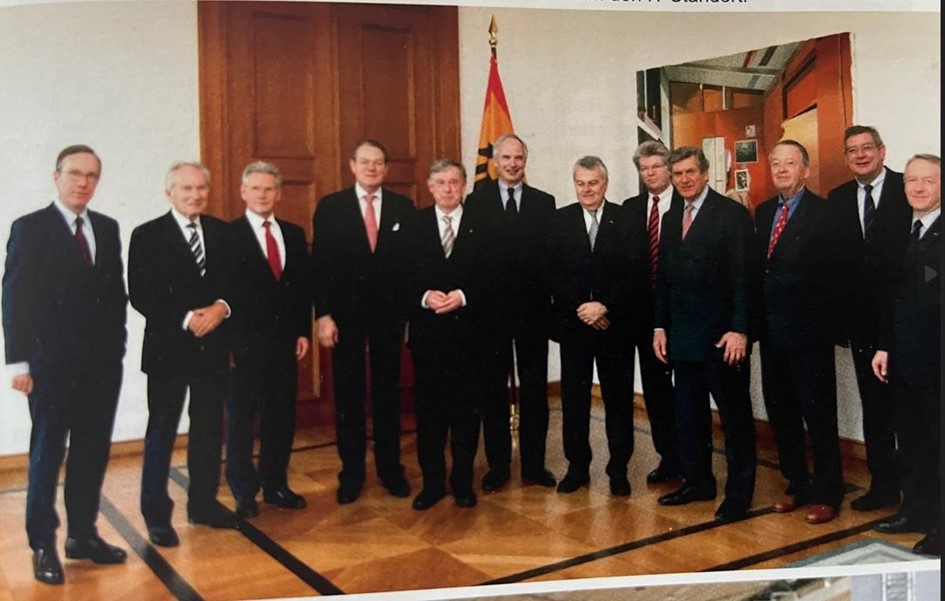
177	279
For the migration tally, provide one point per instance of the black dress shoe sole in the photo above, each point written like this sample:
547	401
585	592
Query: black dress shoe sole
899	527
466	502
684	498
865	503
568	487
161	540
426	502
104	556
494	484
48	574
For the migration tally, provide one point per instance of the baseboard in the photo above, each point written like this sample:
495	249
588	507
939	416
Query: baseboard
119	449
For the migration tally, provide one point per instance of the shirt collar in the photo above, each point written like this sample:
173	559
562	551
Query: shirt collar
183	221
68	215
664	195
928	219
792	202
456	214
361	192
256	220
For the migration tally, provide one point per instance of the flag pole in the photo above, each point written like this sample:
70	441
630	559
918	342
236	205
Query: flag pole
493	40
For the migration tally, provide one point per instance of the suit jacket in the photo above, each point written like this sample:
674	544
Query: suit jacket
582	275
703	283
164	284
268	315
869	267
913	315
60	314
523	247
798	292
469	268
637	209
351	283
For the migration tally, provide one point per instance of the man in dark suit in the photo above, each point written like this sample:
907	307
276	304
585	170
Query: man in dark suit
593	280
798	309
272	329
521	217
64	309
910	354
451	300
645	213
358	259
872	230
178	267
701	325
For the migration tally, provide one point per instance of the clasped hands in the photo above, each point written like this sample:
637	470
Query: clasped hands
444	302
594	314
206	319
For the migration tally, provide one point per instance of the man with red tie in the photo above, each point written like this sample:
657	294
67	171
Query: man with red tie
272	329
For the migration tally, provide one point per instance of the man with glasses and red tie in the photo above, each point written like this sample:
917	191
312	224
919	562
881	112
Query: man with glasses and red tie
64	309
272	329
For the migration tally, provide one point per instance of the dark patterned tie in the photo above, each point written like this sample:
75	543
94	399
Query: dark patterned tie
869	210
595	225
449	237
653	227
82	242
196	249
916	230
510	209
778	228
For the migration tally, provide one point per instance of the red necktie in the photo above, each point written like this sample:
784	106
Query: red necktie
370	220
82	242
778	228
687	219
272	252
654	229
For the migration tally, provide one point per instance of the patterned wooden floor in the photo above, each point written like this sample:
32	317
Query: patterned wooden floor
519	534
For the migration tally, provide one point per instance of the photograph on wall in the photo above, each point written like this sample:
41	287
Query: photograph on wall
746	151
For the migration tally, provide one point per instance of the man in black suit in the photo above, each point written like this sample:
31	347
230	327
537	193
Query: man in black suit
358	259
872	230
701	326
798	309
910	354
272	329
521	217
178	267
645	213
451	300
64	309
593	284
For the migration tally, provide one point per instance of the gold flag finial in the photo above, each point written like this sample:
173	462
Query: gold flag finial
493	29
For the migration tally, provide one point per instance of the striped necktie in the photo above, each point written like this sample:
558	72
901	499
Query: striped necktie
449	237
196	249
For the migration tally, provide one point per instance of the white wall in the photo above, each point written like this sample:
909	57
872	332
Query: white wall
122	77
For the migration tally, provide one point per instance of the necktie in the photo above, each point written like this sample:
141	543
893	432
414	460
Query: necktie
82	242
592	232
778	228
869	209
916	230
272	252
196	249
370	220
510	209
653	227
448	236
687	219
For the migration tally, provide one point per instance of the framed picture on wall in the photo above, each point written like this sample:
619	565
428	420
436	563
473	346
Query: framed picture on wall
746	151
741	180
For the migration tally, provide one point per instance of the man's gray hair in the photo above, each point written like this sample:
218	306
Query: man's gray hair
505	138
650	148
169	178
443	164
262	167
681	154
591	162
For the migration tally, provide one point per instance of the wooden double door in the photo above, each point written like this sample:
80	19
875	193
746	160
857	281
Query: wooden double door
298	84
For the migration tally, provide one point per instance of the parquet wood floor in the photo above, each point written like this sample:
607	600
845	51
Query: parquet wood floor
379	543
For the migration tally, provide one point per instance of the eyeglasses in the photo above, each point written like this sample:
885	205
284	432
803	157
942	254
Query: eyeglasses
865	148
75	175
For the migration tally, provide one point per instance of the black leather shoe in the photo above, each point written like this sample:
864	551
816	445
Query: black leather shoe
427	499
730	511
94	548
494	480
247	508
163	536
686	494
46	566
348	493
661	475
465	499
540	477
929	545
900	523
215	518
571	482
873	500
284	498
398	487
620	486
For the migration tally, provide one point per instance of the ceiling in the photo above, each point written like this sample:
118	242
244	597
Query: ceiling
756	70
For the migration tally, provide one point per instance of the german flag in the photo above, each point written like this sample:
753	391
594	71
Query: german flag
496	120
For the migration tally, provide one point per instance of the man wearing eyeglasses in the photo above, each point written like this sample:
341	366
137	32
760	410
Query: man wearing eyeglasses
64	309
872	230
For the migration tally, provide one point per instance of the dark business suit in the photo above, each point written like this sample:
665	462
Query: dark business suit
912	337
797	311
868	267
164	283
446	348
525	309
67	320
582	275
269	316
702	292
657	376
363	293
